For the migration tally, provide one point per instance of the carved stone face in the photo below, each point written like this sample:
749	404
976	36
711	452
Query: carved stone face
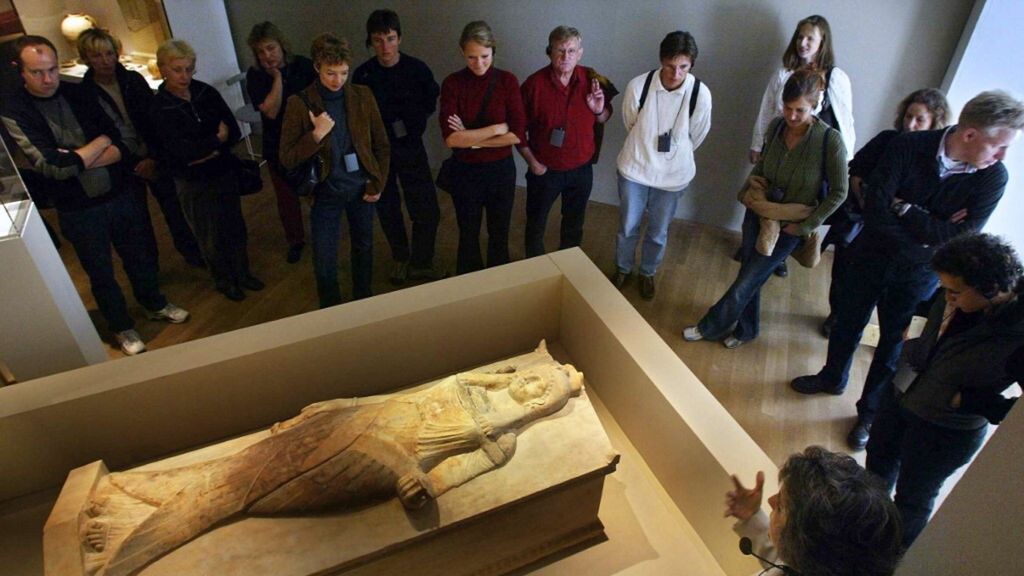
529	388
546	389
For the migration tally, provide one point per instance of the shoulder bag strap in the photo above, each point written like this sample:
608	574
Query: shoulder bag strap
826	102
305	99
487	99
824	163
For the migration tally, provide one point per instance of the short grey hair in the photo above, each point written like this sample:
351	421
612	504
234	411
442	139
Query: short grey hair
562	34
992	110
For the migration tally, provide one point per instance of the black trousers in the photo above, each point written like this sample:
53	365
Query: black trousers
410	169
118	223
489	189
166	195
214	212
915	457
574	186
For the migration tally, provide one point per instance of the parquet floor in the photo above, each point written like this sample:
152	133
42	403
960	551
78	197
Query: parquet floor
751	381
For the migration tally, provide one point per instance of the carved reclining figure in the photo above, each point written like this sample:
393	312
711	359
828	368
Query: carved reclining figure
333	454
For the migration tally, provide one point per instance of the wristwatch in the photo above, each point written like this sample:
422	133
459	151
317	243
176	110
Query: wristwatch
900	208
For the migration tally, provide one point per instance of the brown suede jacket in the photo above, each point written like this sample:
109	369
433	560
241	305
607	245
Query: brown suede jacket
364	123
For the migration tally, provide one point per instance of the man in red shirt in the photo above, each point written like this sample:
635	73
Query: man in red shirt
564	102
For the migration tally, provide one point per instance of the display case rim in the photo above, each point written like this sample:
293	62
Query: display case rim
132	411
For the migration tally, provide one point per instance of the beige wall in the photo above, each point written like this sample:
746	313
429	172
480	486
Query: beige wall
887	48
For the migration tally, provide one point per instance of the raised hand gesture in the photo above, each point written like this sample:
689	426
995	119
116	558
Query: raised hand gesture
595	99
742	502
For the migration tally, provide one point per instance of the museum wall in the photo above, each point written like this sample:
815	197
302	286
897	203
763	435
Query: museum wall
887	48
989	51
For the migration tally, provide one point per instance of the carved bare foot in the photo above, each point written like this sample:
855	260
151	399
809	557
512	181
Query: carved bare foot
412	490
506	370
96	533
109	517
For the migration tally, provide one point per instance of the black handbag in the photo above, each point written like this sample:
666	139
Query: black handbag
305	177
446	173
250	181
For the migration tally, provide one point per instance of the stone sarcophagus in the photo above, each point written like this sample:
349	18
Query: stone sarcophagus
481	472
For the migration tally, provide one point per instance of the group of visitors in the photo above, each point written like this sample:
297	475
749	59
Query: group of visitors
918	197
904	211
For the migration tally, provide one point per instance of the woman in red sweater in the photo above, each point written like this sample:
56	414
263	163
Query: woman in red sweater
482	117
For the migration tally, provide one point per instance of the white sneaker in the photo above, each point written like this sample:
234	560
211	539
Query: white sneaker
170	313
692	334
731	342
130	341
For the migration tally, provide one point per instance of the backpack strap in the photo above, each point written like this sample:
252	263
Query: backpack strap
693	95
647	88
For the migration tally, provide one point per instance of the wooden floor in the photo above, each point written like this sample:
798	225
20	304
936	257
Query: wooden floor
751	381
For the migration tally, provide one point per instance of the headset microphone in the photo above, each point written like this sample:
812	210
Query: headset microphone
747	548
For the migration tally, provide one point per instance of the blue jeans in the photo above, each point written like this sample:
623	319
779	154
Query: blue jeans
916	456
92	231
869	278
660	205
325	224
738	311
574	187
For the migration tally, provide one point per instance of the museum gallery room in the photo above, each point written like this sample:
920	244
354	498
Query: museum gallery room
468	384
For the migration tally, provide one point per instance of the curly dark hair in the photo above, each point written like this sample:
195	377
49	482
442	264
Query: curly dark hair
933	99
330	50
984	262
839	520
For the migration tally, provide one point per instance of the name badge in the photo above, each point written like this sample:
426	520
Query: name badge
665	142
351	162
557	137
398	128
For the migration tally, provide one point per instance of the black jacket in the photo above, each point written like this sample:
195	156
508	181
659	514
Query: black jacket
53	168
138	100
971	361
187	131
909	170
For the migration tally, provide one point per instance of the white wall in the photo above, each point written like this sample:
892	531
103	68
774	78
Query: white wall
204	25
887	48
993	57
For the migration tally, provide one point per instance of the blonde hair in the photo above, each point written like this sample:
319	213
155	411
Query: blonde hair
992	110
172	49
94	40
478	31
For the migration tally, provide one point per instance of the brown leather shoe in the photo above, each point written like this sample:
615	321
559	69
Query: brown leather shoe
647	287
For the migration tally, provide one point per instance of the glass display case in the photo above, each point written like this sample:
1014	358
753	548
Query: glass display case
13	197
